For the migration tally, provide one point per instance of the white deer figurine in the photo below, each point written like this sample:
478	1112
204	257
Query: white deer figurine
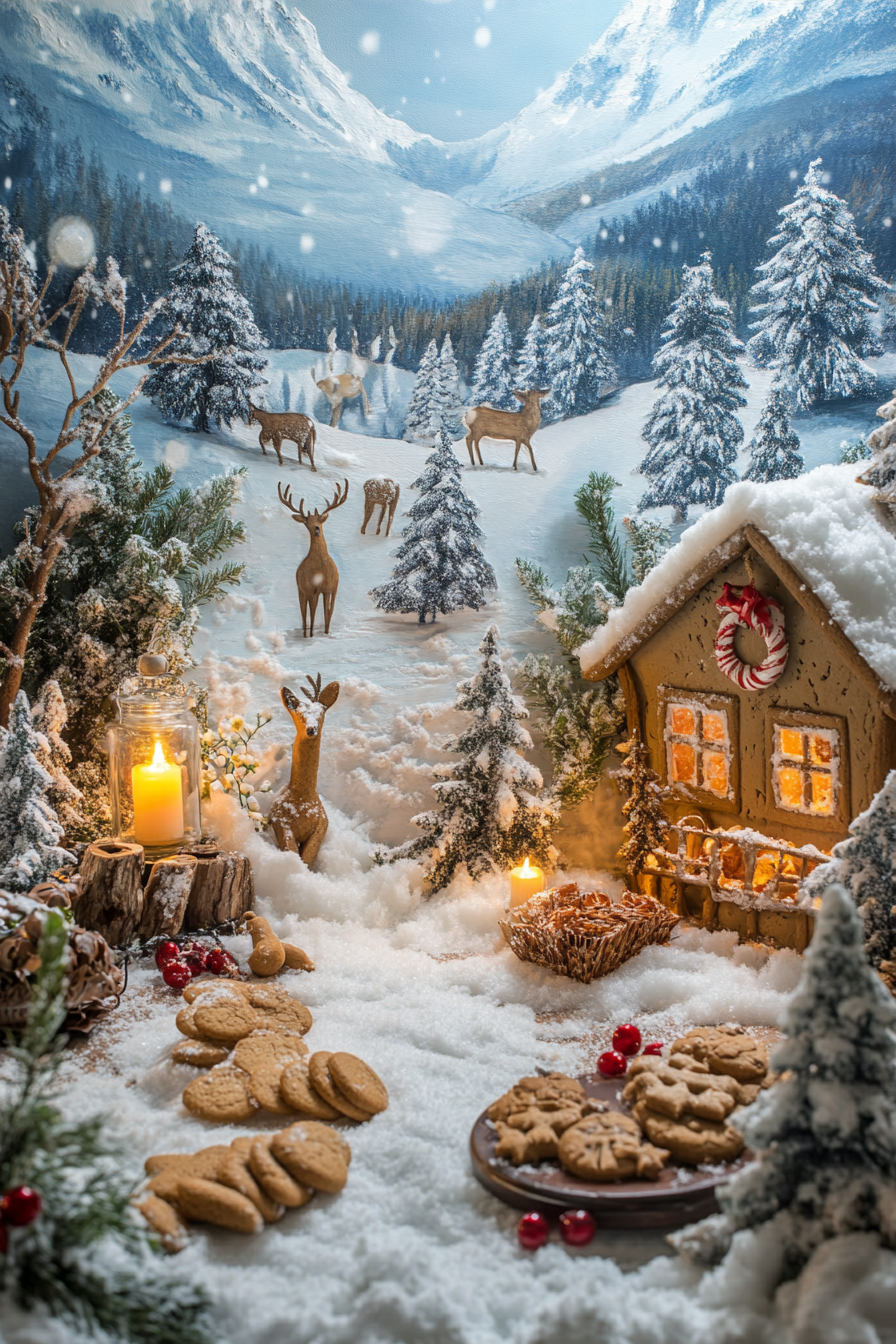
340	387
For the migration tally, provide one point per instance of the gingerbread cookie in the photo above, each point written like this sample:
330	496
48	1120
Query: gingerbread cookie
358	1082
185	1023
678	1092
204	1163
221	1095
290	1017
266	1046
192	991
264	1085
242	1144
726	1050
313	1129
297	1091
609	1146
208	1202
532	1116
690	1139
223	1015
310	1161
274	1179
319	1073
201	1054
234	1172
164	1220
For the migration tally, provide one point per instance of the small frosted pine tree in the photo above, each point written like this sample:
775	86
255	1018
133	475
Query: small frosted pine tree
881	472
649	542
440	566
825	1133
284	392
207	306
49	716
646	824
492	810
494	378
533	371
29	828
579	366
815	299
693	431
451	405
774	448
425	403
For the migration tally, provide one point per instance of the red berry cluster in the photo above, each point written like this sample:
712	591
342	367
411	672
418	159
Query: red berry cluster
577	1228
19	1206
626	1042
179	965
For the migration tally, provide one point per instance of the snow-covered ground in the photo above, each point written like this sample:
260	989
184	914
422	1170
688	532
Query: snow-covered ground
413	1250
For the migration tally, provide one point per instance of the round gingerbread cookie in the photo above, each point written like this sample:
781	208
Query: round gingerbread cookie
225	1017
358	1082
185	1022
201	1054
608	1147
234	1172
274	1179
204	1163
289	1018
164	1219
208	1202
297	1091
726	1050
264	1084
690	1140
221	1095
311	1162
264	1047
313	1129
319	1073
242	1144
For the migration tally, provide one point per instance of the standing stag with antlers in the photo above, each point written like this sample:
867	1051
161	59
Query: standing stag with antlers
317	575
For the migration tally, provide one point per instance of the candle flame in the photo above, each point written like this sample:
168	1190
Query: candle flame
526	871
158	761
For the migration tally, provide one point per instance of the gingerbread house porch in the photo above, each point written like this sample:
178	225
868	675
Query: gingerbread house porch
758	665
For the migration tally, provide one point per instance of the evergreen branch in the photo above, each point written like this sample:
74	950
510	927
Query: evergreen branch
210	583
594	505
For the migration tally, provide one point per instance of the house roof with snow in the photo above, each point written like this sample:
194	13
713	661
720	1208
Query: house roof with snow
830	542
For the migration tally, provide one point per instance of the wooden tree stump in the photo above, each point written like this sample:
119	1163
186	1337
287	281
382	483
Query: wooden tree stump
111	902
222	888
166	895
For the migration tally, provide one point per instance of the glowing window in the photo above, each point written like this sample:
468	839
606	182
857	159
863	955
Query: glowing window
698	747
805	769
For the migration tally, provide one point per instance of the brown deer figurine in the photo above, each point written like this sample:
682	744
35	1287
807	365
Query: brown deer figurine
279	426
483	422
383	491
317	575
298	818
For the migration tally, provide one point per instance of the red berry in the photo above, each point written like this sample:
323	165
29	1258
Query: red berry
19	1206
532	1231
611	1064
216	961
654	1048
166	952
177	974
577	1227
195	957
627	1039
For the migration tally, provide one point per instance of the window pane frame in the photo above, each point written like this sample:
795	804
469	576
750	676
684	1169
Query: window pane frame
728	707
808	723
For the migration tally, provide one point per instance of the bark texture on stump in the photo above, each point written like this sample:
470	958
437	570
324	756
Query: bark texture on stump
222	887
111	902
166	895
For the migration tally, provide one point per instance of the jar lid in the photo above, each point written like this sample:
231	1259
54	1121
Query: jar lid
154	688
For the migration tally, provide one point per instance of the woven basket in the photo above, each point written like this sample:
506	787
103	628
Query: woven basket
584	934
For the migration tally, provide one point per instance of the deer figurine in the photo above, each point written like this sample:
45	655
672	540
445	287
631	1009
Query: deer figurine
383	491
340	387
317	575
279	426
484	422
298	818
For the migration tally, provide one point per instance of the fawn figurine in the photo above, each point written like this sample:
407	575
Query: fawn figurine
298	818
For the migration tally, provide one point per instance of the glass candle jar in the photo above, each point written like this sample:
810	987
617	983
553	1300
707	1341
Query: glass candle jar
154	762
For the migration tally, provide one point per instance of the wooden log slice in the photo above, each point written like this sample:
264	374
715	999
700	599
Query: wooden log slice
165	896
111	902
222	888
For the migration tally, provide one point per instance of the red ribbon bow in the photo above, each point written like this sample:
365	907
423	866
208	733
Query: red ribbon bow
747	604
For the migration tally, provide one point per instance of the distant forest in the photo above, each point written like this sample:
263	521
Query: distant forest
729	208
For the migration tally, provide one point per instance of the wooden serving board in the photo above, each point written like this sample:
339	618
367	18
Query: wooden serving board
682	1194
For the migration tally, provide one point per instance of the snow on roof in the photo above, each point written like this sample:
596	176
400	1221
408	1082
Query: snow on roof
824	523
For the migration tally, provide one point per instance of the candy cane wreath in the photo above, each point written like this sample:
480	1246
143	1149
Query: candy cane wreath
750	609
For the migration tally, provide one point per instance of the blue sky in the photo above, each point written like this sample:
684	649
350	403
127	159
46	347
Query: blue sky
493	55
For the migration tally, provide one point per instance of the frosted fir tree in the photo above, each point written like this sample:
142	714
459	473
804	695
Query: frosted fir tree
825	1132
646	824
533	372
579	366
451	404
207	307
649	541
425	405
881	472
492	810
284	392
494	378
815	299
49	716
440	566
774	448
30	831
693	430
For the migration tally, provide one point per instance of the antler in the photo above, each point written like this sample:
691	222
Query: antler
339	498
286	499
315	686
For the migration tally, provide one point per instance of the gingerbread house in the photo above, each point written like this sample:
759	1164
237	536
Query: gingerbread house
758	661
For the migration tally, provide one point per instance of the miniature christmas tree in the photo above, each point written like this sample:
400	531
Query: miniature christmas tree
825	1132
693	430
284	392
881	472
816	297
425	403
49	716
492	809
207	307
451	406
649	542
533	369
774	448
647	825
29	828
579	366
865	864
440	565
494	379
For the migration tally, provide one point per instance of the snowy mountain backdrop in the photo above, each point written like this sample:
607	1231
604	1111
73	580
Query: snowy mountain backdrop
230	110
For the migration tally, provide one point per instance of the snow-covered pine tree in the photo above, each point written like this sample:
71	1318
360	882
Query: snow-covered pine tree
774	449
451	406
425	403
815	299
494	378
492	810
207	306
881	472
440	566
284	392
825	1132
579	365
646	824
29	828
49	716
533	369
693	430
649	542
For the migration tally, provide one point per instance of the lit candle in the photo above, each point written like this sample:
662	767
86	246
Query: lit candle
525	882
158	800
